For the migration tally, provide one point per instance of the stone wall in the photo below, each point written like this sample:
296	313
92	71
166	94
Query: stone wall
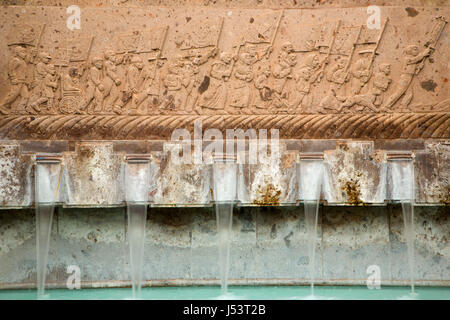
269	246
312	71
93	173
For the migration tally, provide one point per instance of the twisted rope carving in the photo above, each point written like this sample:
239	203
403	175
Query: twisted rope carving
311	126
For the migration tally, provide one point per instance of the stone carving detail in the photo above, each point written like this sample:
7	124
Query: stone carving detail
341	69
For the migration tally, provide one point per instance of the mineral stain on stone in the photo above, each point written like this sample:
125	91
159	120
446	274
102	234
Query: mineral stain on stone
268	196
204	85
411	12
428	85
352	190
287	239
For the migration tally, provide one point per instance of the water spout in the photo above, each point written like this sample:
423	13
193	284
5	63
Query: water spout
47	184
224	175
310	180
402	189
137	178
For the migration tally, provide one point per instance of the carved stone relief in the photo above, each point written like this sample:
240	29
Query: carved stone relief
141	73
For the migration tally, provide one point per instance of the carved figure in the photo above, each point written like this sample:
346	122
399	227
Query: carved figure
310	72
337	76
40	71
111	82
241	94
411	65
152	82
136	76
38	85
214	97
374	98
48	87
282	71
71	91
263	99
381	82
360	72
95	87
193	75
17	73
189	73
119	101
173	84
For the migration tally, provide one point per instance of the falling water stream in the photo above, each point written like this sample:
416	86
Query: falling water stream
224	175
137	179
224	219
47	183
402	189
408	221
311	214
310	184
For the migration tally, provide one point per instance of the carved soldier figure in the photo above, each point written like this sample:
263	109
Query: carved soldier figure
120	70
215	96
193	77
189	72
263	98
152	82
373	99
111	81
48	87
17	72
241	95
136	76
41	71
95	87
337	76
173	84
360	72
381	82
309	73
411	65
282	71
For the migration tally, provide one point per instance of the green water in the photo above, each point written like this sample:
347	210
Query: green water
237	292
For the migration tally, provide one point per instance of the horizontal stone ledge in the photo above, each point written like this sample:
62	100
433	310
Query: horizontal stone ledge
94	175
308	126
211	205
216	282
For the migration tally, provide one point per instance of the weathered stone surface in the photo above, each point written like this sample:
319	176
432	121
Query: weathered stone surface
180	183
431	243
93	175
433	173
145	71
15	176
269	246
134	73
270	181
356	174
352	241
140	69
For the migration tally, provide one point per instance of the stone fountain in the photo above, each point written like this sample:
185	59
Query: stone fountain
98	125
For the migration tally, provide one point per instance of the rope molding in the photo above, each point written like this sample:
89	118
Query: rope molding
308	126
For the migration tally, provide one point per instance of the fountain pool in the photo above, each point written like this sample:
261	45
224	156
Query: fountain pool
239	292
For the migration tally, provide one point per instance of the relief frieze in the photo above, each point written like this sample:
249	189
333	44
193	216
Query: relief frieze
140	73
